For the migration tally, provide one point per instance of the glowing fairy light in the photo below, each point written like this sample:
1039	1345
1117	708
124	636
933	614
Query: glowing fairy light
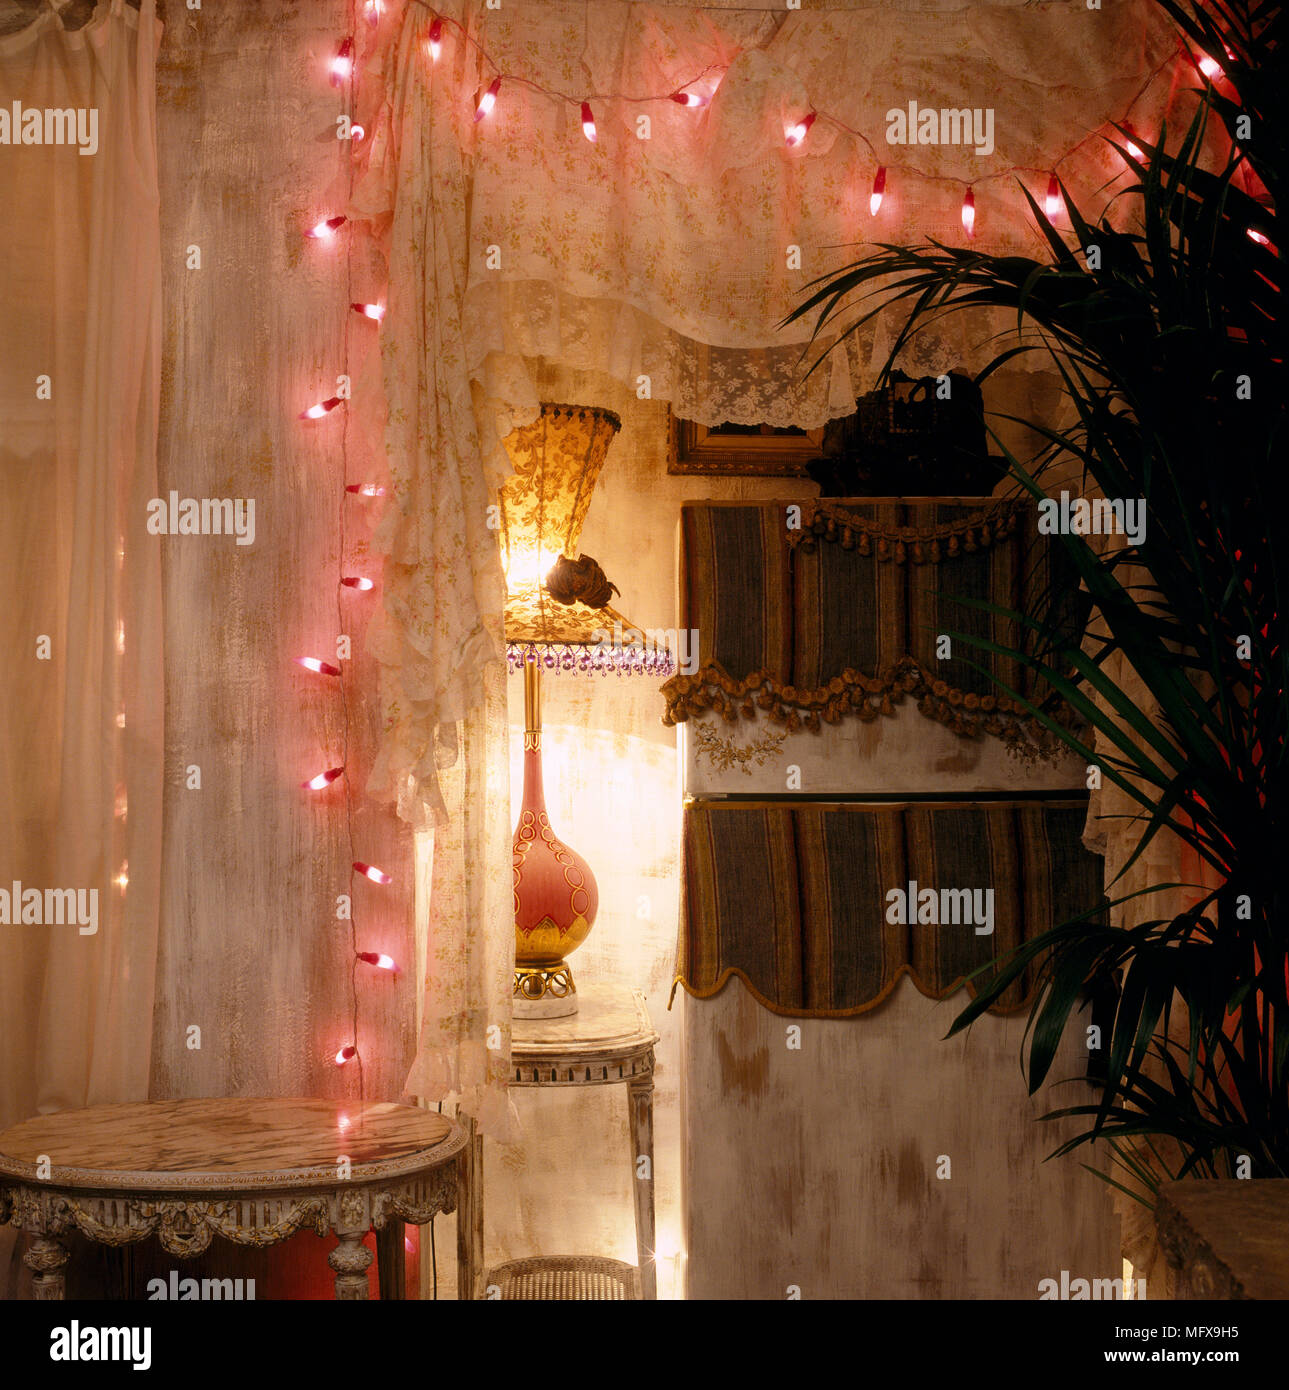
878	193
795	134
316	664
326	229
323	779
488	100
969	213
342	65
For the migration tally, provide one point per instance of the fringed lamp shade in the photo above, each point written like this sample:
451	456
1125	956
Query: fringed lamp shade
558	618
558	459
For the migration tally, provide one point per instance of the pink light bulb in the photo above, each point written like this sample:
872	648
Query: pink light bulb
488	100
315	663
689	98
436	40
342	65
356	132
372	872
381	962
323	779
346	1054
326	229
359	582
365	489
1052	203
1210	68
795	134
969	213
588	122
1259	237
316	412
369	311
879	191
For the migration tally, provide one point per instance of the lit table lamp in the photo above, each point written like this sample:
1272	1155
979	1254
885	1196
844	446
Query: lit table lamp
558	620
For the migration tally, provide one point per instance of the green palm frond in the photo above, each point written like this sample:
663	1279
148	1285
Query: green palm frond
1170	347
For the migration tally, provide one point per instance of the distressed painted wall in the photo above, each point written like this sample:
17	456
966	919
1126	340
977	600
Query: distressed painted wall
821	1168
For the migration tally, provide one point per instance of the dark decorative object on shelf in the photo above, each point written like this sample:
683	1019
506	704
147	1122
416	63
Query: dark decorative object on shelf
911	438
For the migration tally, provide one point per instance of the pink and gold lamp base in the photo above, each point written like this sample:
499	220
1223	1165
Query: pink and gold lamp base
556	897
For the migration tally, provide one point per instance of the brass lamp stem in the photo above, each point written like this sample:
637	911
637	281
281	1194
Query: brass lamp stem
532	705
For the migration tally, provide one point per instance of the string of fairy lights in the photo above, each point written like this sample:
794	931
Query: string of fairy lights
348	584
697	92
694	94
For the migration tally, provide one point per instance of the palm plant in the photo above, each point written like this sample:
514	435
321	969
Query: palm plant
1169	341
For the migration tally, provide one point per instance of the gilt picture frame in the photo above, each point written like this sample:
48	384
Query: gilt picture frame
760	451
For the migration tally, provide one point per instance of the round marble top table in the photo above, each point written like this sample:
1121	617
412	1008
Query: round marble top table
251	1171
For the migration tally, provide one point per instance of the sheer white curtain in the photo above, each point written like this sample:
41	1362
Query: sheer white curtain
80	626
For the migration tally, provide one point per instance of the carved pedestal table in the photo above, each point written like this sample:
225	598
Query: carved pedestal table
1226	1238
250	1171
609	1041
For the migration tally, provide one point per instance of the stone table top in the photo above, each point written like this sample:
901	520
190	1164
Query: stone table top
611	1019
229	1144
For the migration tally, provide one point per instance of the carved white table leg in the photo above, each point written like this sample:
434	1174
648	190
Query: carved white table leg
350	1260
46	1259
640	1108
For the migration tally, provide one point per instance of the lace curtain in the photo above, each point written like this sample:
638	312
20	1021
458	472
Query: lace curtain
439	640
81	743
671	258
